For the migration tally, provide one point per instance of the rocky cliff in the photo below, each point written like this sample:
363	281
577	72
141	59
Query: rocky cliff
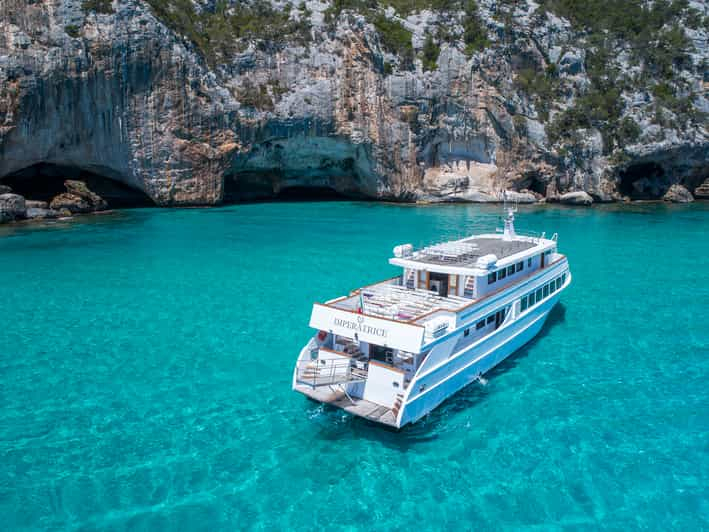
201	102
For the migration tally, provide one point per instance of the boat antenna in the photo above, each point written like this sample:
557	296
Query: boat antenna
509	232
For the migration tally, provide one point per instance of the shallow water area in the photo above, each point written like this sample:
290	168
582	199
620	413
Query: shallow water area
146	361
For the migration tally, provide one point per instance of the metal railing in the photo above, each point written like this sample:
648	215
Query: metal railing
328	372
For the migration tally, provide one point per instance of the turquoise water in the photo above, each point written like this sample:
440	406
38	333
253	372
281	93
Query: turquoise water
146	358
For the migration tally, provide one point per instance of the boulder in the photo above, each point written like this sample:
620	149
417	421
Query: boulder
79	188
572	63
702	191
576	198
678	194
38	213
523	196
12	207
33	204
4	189
71	202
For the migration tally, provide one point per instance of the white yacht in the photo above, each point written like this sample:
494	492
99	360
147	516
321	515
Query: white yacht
393	351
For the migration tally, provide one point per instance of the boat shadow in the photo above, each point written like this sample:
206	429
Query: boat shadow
337	424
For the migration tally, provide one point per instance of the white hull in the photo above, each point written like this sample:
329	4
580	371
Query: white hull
466	367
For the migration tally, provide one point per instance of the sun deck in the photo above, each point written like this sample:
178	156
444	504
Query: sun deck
406	304
466	252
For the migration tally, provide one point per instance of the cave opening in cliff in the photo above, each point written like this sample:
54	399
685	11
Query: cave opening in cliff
44	181
538	186
258	186
643	181
307	193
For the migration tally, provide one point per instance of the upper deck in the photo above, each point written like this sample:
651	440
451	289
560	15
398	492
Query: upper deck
466	252
440	281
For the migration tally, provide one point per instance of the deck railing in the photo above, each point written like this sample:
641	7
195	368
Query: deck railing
329	372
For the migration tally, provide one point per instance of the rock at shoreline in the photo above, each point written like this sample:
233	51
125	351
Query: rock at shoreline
33	204
524	196
702	191
70	202
678	194
38	213
576	198
79	188
4	189
12	207
78	199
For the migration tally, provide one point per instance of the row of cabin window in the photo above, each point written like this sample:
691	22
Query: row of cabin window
542	293
479	325
504	272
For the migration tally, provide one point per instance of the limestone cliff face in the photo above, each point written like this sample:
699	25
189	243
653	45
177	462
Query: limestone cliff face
122	93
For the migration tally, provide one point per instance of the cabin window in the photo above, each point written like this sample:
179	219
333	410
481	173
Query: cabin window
547	252
524	304
466	332
563	278
453	281
395	384
490	319
501	274
529	263
511	270
520	266
491	277
531	299
546	290
552	287
539	295
479	325
558	283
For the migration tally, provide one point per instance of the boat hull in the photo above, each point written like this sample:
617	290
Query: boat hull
430	389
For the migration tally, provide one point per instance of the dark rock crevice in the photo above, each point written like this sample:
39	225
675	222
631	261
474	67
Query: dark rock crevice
276	186
44	181
646	180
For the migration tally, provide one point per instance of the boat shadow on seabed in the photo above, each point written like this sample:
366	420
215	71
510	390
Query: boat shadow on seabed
429	428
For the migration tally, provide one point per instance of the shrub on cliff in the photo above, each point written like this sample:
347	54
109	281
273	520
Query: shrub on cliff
430	53
72	31
217	32
474	32
395	38
98	6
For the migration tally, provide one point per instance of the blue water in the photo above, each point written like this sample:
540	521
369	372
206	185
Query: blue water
146	358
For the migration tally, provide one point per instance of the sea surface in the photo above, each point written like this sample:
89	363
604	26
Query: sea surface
146	361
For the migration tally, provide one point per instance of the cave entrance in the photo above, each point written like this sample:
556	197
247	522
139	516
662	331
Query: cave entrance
263	186
43	181
538	186
306	193
643	181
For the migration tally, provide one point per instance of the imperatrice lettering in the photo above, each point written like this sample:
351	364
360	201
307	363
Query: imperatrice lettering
361	327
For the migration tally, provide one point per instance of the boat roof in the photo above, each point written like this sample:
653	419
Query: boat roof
466	252
461	256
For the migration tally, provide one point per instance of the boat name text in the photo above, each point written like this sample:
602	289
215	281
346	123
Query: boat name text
361	327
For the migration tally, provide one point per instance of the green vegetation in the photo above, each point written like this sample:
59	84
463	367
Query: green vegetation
97	6
474	33
652	31
542	85
217	33
652	35
256	97
72	31
430	53
395	38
